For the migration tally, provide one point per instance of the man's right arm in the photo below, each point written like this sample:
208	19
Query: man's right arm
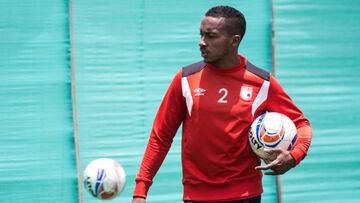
171	113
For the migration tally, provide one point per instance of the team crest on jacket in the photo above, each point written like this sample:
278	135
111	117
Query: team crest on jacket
246	92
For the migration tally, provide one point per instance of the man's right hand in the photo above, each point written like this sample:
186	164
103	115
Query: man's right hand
138	200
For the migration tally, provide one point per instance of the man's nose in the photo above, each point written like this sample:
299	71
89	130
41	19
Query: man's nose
202	42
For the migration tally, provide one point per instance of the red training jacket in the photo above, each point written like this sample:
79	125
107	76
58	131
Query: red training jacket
216	107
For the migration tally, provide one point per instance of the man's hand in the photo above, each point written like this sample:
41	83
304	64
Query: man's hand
138	200
283	162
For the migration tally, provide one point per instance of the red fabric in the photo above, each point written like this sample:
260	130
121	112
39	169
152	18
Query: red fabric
218	163
279	101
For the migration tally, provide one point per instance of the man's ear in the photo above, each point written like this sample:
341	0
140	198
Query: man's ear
236	40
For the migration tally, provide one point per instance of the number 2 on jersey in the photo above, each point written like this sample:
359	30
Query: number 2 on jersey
223	98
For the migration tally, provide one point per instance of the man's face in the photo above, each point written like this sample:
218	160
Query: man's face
215	42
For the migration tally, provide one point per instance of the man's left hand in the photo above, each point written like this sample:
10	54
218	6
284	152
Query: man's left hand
283	162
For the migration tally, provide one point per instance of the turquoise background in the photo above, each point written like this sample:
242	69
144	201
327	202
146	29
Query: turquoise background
318	63
126	53
36	132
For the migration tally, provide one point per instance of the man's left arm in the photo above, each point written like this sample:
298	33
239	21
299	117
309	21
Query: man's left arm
279	101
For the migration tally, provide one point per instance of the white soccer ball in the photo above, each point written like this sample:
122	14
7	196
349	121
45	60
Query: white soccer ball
272	130
104	178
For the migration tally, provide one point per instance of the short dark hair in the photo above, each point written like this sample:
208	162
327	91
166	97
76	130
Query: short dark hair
234	19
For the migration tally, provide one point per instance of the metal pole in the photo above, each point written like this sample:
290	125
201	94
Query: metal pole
278	182
73	95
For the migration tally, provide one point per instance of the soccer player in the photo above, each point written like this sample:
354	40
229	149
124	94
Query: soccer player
216	100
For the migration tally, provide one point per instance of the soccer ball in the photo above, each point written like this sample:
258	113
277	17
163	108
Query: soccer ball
104	178
272	130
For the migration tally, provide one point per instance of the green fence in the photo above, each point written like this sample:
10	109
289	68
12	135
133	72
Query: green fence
36	134
318	62
126	53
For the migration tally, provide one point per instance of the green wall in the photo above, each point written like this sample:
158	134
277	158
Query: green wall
36	134
318	62
126	53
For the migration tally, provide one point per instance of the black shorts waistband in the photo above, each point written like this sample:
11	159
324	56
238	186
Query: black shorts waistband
251	200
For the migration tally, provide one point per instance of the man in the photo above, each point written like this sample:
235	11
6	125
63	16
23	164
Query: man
216	101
